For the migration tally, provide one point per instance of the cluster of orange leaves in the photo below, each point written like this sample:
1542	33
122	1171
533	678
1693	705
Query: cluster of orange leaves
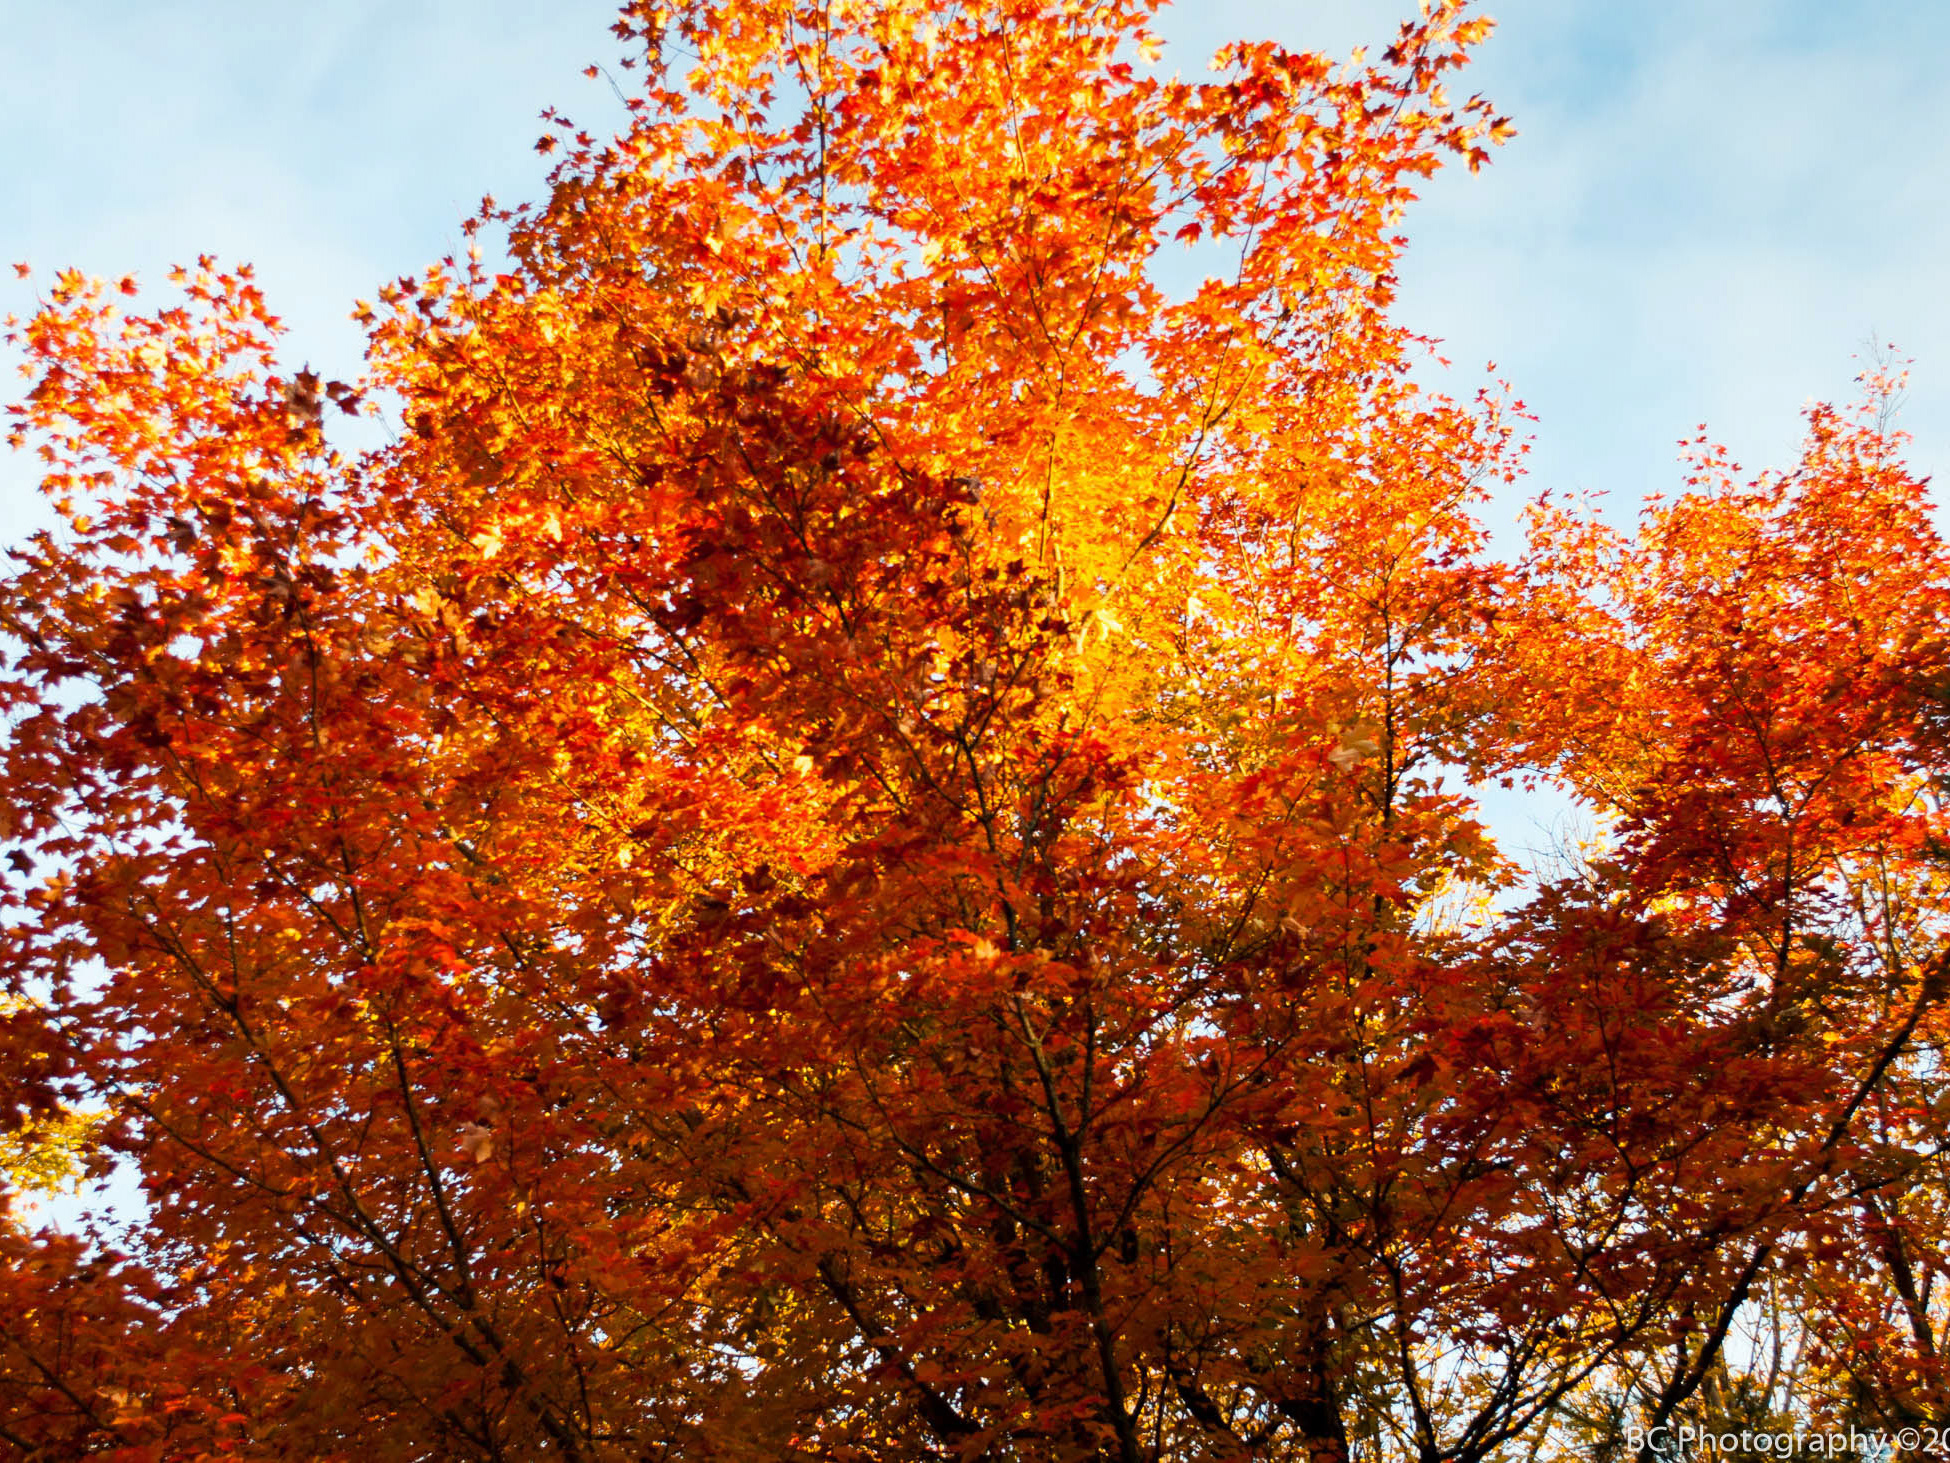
842	850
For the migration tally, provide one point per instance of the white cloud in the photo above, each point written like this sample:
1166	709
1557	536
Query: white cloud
1709	211
333	146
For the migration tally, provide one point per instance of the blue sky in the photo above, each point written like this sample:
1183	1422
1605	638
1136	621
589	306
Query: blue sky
1711	206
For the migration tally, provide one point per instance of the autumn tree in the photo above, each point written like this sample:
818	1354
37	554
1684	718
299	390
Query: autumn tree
855	845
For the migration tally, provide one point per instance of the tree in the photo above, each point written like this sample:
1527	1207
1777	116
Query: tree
842	850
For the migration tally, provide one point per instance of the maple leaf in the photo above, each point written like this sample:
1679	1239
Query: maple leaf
1357	744
476	1140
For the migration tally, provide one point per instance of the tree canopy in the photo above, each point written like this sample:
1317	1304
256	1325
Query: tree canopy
857	843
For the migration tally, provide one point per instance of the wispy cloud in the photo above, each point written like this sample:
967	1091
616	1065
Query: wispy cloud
333	146
1709	209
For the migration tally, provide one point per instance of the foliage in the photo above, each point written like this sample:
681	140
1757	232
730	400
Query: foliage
845	849
48	1156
